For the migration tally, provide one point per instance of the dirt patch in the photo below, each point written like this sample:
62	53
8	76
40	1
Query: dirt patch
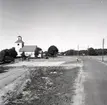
33	64
44	86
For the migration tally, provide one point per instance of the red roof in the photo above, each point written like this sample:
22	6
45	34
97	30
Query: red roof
28	48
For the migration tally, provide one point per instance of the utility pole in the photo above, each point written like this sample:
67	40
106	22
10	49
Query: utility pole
78	50
87	50
103	49
77	53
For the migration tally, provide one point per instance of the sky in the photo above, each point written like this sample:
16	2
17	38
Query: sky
63	23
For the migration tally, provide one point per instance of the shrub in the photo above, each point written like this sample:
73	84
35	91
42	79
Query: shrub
8	59
37	50
12	52
36	53
2	55
23	55
7	55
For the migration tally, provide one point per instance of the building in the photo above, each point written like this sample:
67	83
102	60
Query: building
29	50
18	45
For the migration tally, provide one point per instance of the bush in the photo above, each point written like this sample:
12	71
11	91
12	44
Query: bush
8	59
23	56
7	55
2	55
12	52
37	51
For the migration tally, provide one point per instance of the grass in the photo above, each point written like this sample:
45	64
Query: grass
100	58
4	69
44	86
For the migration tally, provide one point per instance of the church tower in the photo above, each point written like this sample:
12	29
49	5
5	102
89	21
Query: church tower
19	44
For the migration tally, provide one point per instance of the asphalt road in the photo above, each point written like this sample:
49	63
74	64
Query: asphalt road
95	85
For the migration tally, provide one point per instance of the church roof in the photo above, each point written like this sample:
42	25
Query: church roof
19	41
30	48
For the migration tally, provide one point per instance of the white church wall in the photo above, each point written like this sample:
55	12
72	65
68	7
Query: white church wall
30	53
19	44
17	48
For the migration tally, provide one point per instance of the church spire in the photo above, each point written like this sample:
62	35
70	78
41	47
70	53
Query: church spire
19	40
19	44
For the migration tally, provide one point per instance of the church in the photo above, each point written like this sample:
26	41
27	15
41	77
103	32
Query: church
27	49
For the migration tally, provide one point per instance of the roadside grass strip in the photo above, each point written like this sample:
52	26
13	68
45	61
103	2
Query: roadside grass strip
99	59
79	97
53	85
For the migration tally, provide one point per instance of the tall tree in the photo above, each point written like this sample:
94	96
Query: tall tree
52	51
37	50
91	51
12	52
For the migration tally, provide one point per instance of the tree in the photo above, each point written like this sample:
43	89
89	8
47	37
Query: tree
45	55
8	55
37	50
8	59
36	53
2	55
69	52
52	51
91	51
99	51
23	56
12	52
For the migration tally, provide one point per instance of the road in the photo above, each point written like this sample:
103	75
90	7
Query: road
95	85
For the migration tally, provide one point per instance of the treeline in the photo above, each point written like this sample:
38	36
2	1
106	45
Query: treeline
91	51
8	55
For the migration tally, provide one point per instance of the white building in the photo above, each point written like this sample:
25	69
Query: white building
28	49
18	45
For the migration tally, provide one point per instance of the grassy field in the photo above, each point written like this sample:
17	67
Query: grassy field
45	62
51	82
100	58
44	86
